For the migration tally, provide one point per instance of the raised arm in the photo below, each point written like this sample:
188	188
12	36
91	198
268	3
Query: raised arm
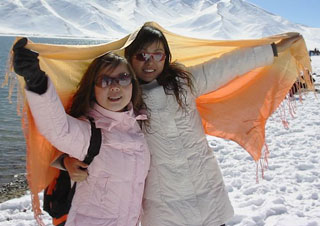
66	133
215	73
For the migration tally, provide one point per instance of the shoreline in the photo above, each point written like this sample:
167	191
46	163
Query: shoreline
14	189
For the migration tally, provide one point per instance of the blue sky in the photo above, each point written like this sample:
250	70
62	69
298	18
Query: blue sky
298	11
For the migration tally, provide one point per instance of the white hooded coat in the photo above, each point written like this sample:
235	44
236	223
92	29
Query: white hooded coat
184	185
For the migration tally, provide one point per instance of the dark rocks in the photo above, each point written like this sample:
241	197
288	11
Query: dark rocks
16	188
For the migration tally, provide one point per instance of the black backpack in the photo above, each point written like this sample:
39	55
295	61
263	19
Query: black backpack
58	195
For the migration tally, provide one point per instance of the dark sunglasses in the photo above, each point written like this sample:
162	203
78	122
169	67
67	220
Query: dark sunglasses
147	56
123	79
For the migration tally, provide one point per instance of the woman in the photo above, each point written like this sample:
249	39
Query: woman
108	93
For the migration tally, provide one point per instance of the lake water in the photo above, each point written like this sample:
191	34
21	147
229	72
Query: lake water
12	143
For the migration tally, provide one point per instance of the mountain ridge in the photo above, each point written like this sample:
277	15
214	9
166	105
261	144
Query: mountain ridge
98	19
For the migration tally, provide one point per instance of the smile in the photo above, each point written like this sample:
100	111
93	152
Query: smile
149	70
114	99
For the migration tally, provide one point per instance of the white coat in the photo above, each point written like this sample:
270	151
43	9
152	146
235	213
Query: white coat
184	186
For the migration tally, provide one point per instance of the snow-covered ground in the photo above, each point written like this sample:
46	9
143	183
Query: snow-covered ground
287	196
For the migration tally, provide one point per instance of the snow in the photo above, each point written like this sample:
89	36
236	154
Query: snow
212	19
288	195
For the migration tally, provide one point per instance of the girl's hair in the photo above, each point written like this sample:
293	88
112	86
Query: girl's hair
84	97
174	76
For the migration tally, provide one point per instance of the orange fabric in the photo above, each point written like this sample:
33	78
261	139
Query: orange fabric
57	221
237	111
51	187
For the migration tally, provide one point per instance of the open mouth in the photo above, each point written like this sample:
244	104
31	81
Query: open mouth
149	70
114	99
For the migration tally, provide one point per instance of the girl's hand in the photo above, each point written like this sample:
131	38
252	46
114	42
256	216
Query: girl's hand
77	170
26	64
287	42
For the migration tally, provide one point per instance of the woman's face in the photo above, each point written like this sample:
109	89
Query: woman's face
114	97
149	68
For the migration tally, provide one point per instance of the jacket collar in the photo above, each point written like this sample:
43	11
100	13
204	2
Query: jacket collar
119	116
112	114
150	85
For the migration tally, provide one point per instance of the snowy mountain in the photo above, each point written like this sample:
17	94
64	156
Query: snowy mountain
111	19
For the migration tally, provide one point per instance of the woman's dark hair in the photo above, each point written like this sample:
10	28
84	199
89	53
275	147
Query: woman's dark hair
174	76
84	97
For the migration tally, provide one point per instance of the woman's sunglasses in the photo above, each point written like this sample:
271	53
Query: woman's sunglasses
123	79
147	56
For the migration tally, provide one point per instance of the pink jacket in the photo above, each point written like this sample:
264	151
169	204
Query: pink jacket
112	193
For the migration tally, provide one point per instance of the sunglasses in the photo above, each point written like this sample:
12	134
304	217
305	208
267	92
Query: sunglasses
123	79
147	56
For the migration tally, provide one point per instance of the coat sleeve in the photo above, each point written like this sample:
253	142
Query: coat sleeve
217	72
68	134
56	162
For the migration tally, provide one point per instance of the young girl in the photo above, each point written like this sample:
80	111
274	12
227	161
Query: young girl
109	93
184	185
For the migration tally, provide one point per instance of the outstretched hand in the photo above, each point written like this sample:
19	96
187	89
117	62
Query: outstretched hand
26	64
76	169
287	42
25	61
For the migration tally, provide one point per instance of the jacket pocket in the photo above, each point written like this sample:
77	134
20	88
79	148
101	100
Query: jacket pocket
212	171
106	195
101	202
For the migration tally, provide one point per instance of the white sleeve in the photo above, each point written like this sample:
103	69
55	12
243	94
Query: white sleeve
56	163
216	72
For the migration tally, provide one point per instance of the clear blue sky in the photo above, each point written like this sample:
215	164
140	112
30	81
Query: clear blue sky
305	12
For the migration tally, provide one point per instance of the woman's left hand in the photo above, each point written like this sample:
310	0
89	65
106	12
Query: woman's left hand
287	42
77	170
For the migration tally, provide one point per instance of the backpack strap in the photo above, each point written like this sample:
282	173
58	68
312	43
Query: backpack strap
93	150
58	195
95	142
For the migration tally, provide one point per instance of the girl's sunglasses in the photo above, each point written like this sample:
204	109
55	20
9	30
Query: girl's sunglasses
123	79
147	56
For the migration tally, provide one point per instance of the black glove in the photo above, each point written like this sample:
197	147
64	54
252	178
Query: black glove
26	64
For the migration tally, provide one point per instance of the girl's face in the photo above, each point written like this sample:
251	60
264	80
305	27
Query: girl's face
148	63
109	93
